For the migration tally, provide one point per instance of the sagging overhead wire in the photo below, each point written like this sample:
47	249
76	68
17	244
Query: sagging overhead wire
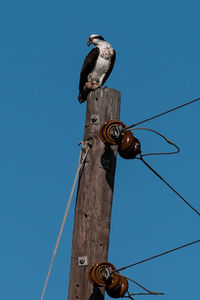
115	284
104	274
165	153
165	138
161	114
148	292
156	256
163	180
129	147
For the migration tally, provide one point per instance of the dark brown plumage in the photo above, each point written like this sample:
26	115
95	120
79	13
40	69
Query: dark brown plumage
97	66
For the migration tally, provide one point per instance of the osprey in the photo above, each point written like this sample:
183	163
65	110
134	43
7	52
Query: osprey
97	66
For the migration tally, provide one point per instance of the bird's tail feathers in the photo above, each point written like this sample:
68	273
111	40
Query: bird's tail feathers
83	95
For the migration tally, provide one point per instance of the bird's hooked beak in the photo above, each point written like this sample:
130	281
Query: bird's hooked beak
89	42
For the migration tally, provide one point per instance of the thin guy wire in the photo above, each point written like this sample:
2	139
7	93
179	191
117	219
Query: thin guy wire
150	292
145	294
81	162
161	114
178	149
137	284
155	256
129	296
166	139
159	176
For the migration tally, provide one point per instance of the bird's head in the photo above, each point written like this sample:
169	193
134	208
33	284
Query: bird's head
95	39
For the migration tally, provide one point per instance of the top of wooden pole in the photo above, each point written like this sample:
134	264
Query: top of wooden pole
103	104
94	196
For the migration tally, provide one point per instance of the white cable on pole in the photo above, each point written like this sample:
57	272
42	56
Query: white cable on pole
81	162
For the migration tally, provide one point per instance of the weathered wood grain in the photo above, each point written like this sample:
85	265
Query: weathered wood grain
94	196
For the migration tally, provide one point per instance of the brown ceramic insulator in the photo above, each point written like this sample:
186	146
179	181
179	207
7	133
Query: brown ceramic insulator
129	146
119	290
115	292
115	279
126	140
102	133
90	274
106	131
124	286
95	273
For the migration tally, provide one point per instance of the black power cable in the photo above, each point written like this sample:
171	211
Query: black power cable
165	138
161	178
161	114
165	153
155	256
141	286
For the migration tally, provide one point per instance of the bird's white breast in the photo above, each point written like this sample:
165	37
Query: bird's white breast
103	62
100	70
102	65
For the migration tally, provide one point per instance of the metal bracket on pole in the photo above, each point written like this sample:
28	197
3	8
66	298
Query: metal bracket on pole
106	274
84	145
82	261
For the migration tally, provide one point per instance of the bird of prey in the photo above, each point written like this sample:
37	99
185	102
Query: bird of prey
97	66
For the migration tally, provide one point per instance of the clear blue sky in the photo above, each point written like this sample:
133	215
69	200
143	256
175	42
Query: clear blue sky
43	44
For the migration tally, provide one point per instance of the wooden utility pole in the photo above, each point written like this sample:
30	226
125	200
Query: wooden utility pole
94	197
